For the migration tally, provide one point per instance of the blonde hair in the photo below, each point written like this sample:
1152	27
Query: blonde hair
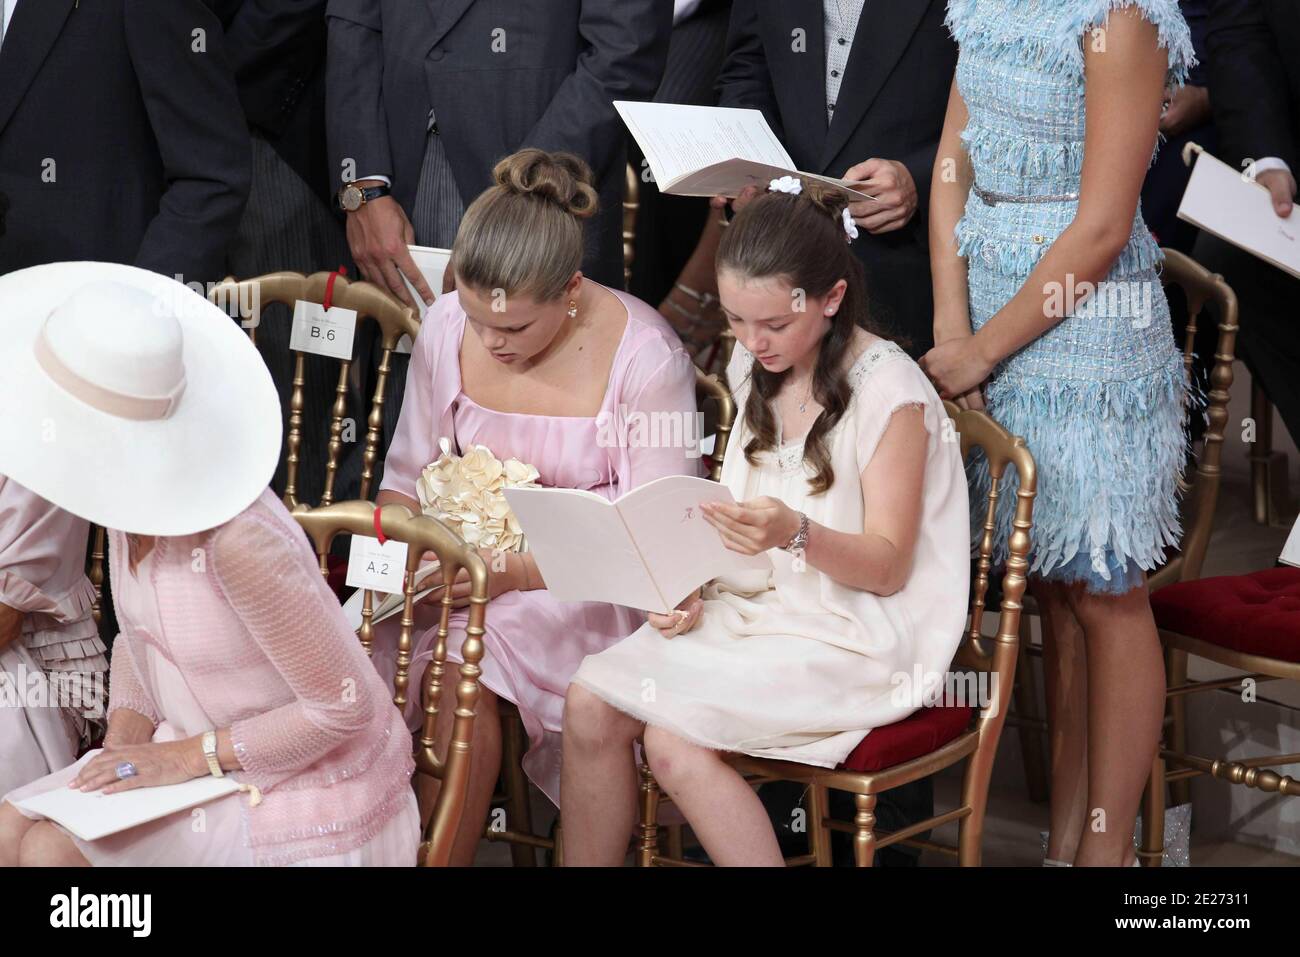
524	234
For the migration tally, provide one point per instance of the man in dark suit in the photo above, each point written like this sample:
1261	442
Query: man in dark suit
121	137
1254	53
424	98
858	94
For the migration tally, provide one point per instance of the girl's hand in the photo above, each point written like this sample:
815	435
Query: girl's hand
158	762
754	526
681	621
956	366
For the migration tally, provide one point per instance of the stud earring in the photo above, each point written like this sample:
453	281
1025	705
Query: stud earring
573	309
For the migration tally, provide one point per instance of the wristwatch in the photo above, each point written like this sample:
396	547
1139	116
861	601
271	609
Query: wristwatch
800	540
209	741
352	197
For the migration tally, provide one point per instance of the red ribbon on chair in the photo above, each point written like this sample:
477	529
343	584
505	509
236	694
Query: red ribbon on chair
379	530
329	295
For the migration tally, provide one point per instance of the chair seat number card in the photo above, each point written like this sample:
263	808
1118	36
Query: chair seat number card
378	567
321	331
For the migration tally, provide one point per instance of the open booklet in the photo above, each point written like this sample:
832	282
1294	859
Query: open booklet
384	606
1220	200
649	549
91	815
712	150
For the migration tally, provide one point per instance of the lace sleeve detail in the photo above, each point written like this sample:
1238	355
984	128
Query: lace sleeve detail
271	584
125	689
890	386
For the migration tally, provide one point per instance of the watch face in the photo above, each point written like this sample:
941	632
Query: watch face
350	199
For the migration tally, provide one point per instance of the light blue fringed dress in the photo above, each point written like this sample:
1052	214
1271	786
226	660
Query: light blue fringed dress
1101	398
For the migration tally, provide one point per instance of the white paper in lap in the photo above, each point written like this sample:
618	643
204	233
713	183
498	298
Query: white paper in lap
91	815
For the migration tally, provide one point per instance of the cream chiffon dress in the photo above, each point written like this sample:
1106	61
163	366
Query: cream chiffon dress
790	664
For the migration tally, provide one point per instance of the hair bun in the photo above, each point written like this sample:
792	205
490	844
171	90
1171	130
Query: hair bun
560	178
825	197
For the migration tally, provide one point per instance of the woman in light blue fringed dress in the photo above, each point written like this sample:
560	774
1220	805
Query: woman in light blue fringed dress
1048	308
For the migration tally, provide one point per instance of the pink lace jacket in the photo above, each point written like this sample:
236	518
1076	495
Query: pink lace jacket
266	651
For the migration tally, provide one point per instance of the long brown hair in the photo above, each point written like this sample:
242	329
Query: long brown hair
524	234
800	240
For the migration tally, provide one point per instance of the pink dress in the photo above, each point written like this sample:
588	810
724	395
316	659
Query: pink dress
534	643
53	677
309	718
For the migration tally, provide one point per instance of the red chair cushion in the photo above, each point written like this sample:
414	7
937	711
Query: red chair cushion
1257	614
923	731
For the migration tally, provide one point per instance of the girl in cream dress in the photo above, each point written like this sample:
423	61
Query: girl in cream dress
800	662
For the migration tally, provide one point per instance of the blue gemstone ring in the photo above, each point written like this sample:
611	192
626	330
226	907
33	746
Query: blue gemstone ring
126	770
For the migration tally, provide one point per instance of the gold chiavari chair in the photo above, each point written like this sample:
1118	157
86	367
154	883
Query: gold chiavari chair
930	739
1199	287
422	534
395	319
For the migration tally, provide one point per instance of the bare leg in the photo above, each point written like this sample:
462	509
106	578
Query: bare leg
13	826
44	845
598	780
725	813
484	767
1126	695
1065	674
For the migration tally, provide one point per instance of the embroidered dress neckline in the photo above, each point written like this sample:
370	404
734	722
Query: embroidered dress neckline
790	454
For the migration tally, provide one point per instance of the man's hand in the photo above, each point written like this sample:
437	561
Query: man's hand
378	234
892	185
1190	107
11	625
1281	186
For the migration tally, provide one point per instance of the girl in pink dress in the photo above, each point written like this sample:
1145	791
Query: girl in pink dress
234	657
538	363
47	638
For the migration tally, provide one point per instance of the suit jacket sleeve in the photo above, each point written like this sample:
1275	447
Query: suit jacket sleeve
626	49
356	126
1248	87
744	80
202	138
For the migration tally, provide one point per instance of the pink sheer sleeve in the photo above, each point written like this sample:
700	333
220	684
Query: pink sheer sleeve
42	556
413	445
270	582
125	690
660	391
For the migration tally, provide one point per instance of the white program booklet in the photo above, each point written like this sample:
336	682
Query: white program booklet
648	549
1291	550
712	150
91	815
432	264
1221	201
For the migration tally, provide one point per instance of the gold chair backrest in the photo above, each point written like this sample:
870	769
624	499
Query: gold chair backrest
395	320
1200	286
422	534
1001	449
708	387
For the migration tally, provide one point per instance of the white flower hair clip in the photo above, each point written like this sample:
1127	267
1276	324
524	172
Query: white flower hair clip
786	184
850	227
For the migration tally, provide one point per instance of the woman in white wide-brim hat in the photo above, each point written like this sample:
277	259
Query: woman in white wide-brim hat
132	402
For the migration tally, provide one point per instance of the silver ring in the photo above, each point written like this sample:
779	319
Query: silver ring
126	770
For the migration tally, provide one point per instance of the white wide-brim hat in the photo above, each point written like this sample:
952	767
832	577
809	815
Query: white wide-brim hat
128	399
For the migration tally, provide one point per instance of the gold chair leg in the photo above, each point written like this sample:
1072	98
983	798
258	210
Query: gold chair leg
864	830
519	812
1180	792
819	835
557	856
1026	698
1152	851
649	824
